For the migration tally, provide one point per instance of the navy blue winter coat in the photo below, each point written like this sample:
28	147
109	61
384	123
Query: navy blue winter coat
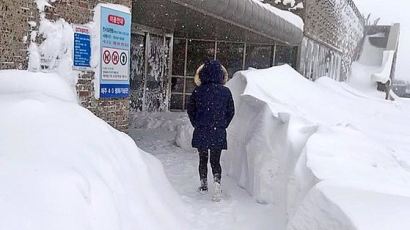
211	109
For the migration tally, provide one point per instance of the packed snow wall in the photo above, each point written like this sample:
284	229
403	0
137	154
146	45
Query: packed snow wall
64	168
312	150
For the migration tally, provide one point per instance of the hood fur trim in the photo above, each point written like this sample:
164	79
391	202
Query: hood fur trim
198	80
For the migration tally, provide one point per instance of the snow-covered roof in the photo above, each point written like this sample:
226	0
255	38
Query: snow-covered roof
253	15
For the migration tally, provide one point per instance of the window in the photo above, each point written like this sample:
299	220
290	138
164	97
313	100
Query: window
157	76
150	62
182	83
198	51
286	55
189	85
231	56
137	71
259	56
178	59
177	102
178	75
177	84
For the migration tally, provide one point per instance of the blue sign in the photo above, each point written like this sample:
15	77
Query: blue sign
115	44
82	48
114	90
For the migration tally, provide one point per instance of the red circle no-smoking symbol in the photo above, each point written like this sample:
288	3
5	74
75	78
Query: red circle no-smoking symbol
115	57
107	57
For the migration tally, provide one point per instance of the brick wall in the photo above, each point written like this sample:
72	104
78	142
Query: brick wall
15	32
13	49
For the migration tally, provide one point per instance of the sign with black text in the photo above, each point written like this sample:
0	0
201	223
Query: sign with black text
115	39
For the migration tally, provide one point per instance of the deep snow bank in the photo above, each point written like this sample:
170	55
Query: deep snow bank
323	152
64	168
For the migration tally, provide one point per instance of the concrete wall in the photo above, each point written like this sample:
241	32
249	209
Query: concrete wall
13	48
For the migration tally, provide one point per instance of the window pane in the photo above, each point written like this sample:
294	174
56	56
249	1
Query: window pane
177	102
186	101
137	71
198	51
178	61
286	55
157	58
157	74
190	85
231	56
258	56
177	84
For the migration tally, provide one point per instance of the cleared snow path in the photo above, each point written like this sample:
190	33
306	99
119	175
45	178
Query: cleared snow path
155	133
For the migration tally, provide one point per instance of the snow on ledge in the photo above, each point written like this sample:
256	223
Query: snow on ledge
384	75
286	15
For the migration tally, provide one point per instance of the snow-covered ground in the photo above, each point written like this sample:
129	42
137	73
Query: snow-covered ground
156	133
61	167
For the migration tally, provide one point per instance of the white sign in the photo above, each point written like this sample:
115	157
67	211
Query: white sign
114	64
115	43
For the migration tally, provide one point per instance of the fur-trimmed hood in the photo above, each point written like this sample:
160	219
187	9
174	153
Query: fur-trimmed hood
211	71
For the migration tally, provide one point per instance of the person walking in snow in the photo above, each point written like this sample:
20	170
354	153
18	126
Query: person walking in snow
210	110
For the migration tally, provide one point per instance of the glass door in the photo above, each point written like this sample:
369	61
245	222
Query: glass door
150	72
157	78
137	71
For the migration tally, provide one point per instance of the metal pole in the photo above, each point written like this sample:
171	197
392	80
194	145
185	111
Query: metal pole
274	55
147	47
244	56
216	49
185	73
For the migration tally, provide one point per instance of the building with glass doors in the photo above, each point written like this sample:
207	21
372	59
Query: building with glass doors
171	38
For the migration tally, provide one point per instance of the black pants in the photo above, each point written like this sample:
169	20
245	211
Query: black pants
215	165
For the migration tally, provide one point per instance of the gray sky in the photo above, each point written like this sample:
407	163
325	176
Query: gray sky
391	11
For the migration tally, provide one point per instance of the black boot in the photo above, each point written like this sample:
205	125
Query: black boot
204	186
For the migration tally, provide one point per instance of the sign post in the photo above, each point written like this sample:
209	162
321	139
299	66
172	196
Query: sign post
82	48
115	39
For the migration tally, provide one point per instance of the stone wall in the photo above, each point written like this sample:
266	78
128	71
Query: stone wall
332	24
337	24
14	44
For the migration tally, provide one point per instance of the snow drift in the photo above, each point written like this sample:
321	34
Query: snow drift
324	153
64	168
328	156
